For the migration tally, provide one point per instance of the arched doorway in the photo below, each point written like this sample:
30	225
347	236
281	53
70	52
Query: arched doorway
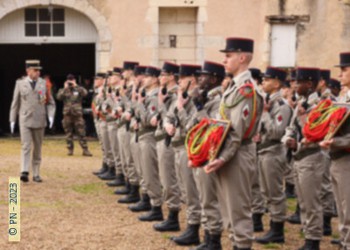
64	39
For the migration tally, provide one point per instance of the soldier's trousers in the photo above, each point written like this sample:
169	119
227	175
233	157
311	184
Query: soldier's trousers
113	138
272	164
98	132
106	144
193	212
125	155
136	172
340	176
289	173
31	137
77	124
327	192
208	187
150	171
235	182
309	175
258	202
167	174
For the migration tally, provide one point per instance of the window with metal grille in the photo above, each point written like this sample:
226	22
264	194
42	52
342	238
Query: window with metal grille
44	22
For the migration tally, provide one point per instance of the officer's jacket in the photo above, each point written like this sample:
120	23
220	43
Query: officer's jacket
341	142
210	109
294	130
72	100
163	109
274	122
242	105
32	105
180	119
145	111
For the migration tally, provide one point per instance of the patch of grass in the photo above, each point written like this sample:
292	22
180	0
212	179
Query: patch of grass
301	234
272	246
89	188
166	236
335	235
291	205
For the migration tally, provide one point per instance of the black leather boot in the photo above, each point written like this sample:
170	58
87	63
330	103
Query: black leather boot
143	205
189	237
155	214
169	225
336	242
123	190
206	242
311	245
132	197
274	235
257	223
215	242
24	176
327	226
102	170
289	190
295	218
117	182
109	175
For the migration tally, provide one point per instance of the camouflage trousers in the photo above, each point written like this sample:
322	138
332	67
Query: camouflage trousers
75	124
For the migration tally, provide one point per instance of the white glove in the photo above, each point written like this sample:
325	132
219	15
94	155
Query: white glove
50	122
12	127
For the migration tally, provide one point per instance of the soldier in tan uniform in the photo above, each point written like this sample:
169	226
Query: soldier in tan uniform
242	105
166	155
308	160
145	110
72	96
135	173
98	83
340	157
177	118
272	155
33	103
207	103
108	109
124	125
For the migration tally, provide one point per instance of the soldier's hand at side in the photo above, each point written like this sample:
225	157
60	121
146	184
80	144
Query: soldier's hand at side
190	164
66	85
12	127
127	116
305	141
291	143
257	138
154	121
267	107
51	122
119	110
326	144
170	129
214	166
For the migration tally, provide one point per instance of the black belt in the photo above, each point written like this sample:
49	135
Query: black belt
178	143
306	153
160	137
145	131
267	144
338	154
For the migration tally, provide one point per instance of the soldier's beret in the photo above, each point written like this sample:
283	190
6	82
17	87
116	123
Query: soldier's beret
238	44
307	74
189	70
212	68
152	71
130	65
344	59
275	73
170	68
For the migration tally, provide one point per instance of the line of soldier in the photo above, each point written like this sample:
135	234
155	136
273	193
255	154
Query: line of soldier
142	115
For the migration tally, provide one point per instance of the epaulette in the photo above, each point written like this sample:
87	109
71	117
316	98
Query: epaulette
246	89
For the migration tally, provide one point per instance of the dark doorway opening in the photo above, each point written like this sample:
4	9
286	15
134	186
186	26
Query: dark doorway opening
57	60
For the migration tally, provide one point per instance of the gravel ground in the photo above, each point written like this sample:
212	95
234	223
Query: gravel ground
72	209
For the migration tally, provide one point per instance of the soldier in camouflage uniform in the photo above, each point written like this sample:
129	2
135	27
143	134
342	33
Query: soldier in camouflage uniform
72	96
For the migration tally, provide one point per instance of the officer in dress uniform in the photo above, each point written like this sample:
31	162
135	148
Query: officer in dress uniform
177	118
33	103
207	103
72	96
308	159
340	157
272	156
166	155
235	164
